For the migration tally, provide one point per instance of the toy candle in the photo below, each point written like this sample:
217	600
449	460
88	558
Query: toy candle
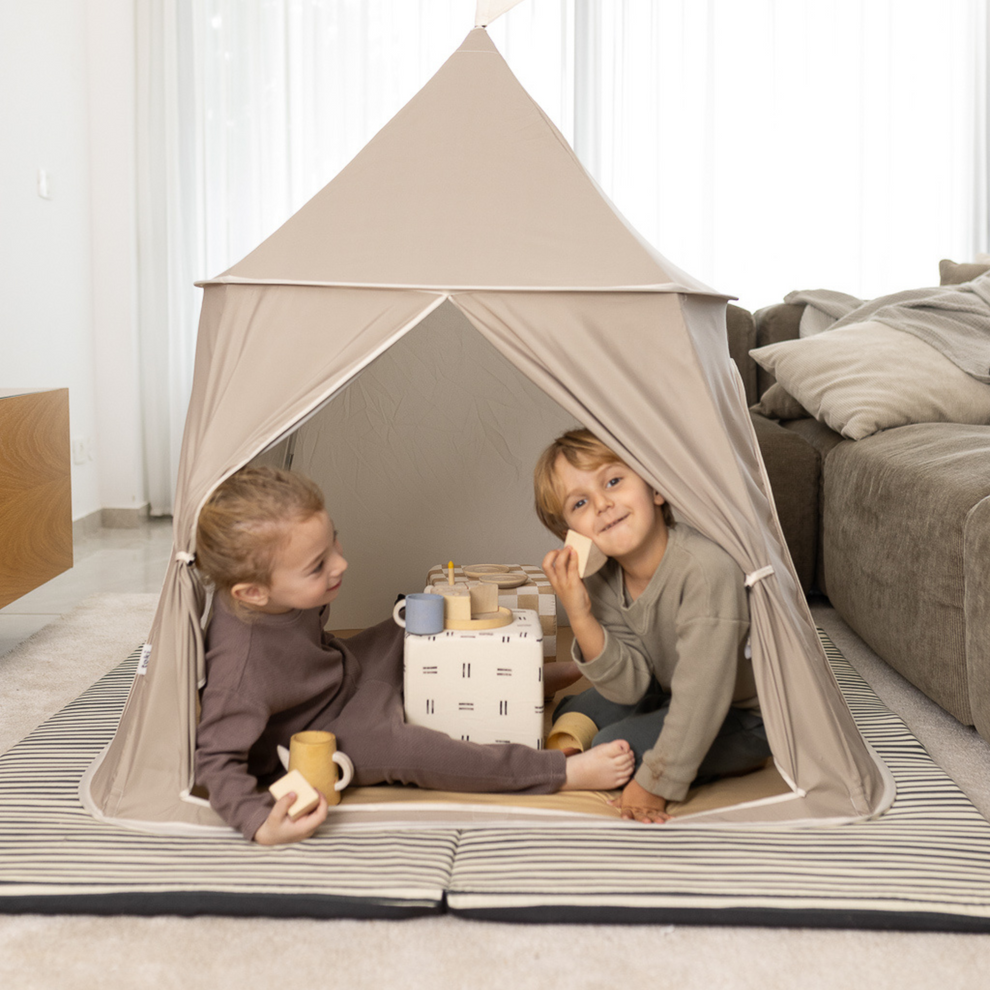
450	572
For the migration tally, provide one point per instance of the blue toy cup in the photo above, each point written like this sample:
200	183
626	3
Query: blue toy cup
423	614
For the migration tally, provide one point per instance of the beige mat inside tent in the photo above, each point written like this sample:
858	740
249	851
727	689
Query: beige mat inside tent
379	803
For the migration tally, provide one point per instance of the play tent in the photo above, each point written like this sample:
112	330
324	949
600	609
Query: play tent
470	197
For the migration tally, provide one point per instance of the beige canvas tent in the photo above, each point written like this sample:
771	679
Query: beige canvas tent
471	200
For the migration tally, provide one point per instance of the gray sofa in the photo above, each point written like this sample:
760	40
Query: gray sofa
894	528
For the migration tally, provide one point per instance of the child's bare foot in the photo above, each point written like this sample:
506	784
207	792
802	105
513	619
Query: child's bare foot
558	675
601	768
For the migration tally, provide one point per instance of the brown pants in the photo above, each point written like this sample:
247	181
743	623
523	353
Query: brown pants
373	732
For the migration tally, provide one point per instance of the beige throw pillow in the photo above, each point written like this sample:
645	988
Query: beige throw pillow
868	376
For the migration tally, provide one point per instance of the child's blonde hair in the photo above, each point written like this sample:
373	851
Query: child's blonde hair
247	519
583	450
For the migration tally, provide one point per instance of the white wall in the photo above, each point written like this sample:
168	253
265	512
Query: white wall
119	451
66	263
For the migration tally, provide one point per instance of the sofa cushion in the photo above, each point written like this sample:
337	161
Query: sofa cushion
774	324
868	377
777	403
823	439
741	333
793	469
820	436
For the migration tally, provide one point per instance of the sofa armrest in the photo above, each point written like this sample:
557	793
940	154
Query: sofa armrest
976	553
903	514
774	324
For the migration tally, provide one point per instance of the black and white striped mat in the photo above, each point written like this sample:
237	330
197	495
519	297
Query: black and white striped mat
56	858
925	864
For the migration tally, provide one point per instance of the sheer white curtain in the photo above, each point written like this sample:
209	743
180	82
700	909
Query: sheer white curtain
762	145
169	122
770	145
293	89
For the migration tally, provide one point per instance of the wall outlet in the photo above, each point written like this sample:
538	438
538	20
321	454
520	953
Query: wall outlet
82	450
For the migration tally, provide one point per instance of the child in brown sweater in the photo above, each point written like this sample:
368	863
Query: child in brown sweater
267	545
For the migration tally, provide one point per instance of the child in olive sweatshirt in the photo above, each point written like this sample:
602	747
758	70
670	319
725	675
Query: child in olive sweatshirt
660	630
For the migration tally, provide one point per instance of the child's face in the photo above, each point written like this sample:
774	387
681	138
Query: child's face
611	505
308	569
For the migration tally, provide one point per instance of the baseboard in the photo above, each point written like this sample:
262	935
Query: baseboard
124	518
87	525
111	519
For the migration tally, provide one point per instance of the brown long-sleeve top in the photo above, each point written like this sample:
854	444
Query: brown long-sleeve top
266	678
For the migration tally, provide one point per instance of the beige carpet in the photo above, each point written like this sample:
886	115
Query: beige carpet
55	665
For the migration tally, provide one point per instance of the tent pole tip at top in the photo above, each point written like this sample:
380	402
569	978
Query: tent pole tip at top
486	11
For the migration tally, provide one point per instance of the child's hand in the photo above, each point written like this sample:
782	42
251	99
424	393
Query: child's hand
638	804
278	828
561	569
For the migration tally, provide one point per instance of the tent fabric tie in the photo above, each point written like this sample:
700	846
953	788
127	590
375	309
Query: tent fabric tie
752	578
758	575
185	558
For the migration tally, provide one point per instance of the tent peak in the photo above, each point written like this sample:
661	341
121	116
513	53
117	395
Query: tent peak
449	190
477	40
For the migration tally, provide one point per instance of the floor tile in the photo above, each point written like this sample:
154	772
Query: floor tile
116	560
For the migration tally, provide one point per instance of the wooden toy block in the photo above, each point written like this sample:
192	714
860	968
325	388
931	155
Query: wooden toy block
590	558
306	797
484	598
456	601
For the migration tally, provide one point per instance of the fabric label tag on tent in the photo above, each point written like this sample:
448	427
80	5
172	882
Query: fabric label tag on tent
145	658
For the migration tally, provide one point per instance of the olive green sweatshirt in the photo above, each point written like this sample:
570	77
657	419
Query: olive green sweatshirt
688	629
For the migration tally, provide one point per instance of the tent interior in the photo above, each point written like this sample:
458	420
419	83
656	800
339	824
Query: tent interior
425	457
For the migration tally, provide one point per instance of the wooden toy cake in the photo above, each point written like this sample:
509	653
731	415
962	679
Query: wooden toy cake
517	586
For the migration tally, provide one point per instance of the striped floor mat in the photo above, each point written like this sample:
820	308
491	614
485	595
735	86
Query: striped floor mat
56	858
923	865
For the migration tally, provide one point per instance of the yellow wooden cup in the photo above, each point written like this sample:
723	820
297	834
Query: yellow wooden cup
572	731
314	754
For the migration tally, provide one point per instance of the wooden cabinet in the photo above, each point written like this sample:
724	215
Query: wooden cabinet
35	489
